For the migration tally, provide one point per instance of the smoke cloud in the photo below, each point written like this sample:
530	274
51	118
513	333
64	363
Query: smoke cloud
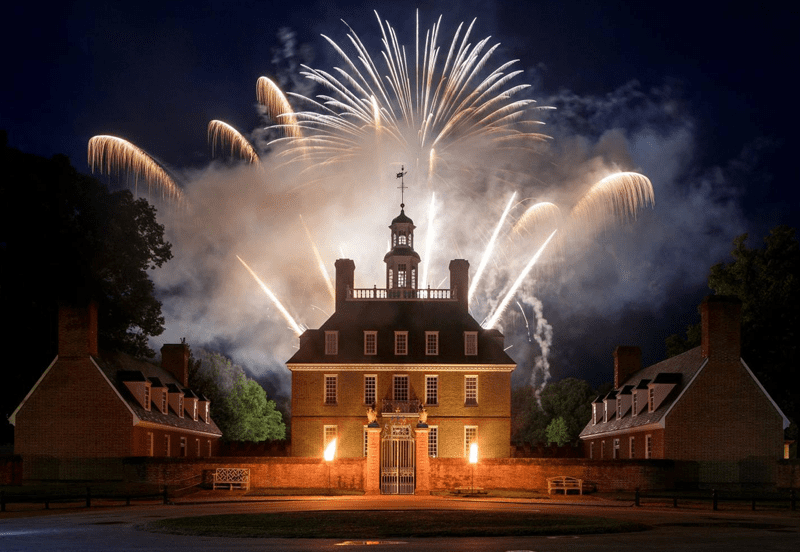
583	285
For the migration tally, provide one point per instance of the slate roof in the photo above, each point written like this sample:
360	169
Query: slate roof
118	366
680	369
447	317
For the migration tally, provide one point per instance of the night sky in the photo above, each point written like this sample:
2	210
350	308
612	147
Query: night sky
698	99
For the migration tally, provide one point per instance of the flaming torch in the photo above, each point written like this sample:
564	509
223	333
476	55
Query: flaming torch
330	452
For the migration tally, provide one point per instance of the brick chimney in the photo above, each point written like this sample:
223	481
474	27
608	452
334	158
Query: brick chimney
459	281
175	360
721	327
345	277
77	330
627	361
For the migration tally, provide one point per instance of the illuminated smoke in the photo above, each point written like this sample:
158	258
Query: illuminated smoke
429	241
223	136
489	249
320	262
618	196
112	155
544	338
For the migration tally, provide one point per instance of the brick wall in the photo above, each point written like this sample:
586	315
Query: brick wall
73	413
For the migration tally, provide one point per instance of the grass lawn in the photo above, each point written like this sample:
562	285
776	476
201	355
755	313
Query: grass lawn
384	524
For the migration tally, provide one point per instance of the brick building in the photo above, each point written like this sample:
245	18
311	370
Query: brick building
89	407
704	406
407	352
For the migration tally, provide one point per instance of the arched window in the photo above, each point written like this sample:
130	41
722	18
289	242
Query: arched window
402	239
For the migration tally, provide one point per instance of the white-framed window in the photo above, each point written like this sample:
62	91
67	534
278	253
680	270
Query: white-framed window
619	407
470	390
635	410
594	413
370	343
470	343
615	452
402	241
605	411
147	397
432	390
366	441
194	410
164	404
648	446
391	278
401	343
632	448
207	419
180	406
331	388
332	343
433	442
591	450
150	443
431	343
167	447
329	433
400	387
470	436
414	278
651	399
401	273
370	388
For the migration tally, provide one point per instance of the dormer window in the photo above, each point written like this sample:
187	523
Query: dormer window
180	406
431	343
594	414
635	409
194	410
147	397
471	343
331	343
401	343
164	401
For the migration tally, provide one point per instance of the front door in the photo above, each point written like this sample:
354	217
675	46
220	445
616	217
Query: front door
397	459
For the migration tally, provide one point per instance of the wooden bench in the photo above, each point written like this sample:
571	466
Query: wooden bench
232	478
564	483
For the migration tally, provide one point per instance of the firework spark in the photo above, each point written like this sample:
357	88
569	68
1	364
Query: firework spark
418	107
320	262
223	135
109	154
537	215
429	240
278	107
294	325
504	303
489	249
618	196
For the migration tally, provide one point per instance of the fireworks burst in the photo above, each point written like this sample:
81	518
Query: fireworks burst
109	154
617	196
278	107
416	108
298	330
224	136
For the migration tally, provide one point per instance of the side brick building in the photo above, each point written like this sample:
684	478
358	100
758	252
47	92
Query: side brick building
704	407
90	408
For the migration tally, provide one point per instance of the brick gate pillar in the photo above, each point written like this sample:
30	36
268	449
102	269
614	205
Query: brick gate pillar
423	476
372	475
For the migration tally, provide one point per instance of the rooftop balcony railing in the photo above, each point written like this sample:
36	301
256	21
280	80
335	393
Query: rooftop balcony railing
403	294
389	406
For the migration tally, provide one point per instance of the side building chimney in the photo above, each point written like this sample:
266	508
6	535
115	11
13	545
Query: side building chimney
720	317
175	360
459	281
345	277
77	330
627	361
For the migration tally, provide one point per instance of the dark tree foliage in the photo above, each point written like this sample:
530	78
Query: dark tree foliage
569	399
64	237
239	405
767	281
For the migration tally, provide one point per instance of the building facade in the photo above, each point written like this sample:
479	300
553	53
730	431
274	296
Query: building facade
414	355
88	406
704	406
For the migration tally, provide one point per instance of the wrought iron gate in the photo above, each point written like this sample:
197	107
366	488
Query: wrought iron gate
397	460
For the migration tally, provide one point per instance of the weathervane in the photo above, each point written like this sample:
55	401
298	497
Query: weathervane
402	187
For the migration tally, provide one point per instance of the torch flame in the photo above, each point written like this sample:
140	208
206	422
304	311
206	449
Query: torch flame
473	453
330	451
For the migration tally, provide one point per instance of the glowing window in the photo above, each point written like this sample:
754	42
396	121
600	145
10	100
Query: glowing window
470	436
370	386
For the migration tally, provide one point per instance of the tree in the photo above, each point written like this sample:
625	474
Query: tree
569	399
253	417
239	405
767	281
557	432
64	237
